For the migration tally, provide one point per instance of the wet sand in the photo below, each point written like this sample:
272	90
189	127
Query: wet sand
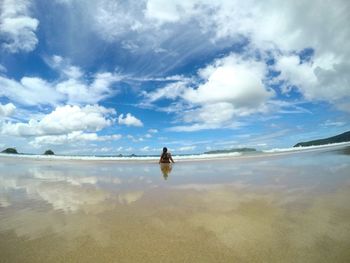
276	208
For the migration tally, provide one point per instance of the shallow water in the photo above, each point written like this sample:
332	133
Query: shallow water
277	208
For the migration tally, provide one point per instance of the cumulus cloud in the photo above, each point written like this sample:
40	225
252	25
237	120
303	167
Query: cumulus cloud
17	27
129	120
7	109
227	88
73	87
77	86
63	120
232	80
66	125
79	91
295	73
73	137
315	82
211	114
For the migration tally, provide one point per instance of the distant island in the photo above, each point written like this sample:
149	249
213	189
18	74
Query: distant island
49	152
231	150
344	137
10	150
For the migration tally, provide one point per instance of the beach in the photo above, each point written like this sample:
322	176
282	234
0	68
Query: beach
279	206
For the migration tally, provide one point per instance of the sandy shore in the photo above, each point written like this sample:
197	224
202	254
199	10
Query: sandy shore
278	207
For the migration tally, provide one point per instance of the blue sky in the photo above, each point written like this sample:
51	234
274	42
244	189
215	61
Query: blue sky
110	77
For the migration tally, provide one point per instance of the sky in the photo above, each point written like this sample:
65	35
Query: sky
109	77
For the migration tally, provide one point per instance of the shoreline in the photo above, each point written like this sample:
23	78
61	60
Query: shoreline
178	158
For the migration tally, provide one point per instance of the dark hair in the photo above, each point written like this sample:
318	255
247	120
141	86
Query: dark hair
165	149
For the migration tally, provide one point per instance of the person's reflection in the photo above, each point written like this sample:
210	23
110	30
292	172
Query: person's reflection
166	169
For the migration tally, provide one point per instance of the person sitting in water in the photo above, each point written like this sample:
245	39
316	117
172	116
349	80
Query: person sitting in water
166	156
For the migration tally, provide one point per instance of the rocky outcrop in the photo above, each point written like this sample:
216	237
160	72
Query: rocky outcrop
49	152
10	150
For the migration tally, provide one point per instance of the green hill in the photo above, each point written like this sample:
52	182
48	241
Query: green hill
344	137
49	152
10	150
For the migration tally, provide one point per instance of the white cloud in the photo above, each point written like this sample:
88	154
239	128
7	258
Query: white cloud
66	125
73	137
77	86
17	28
7	109
129	120
111	19
148	135
187	148
216	114
2	68
268	24
229	87
315	82
63	120
234	80
203	126
145	149
165	11
79	91
153	131
74	86
293	72
292	27
135	139
29	91
105	149
170	91
328	123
